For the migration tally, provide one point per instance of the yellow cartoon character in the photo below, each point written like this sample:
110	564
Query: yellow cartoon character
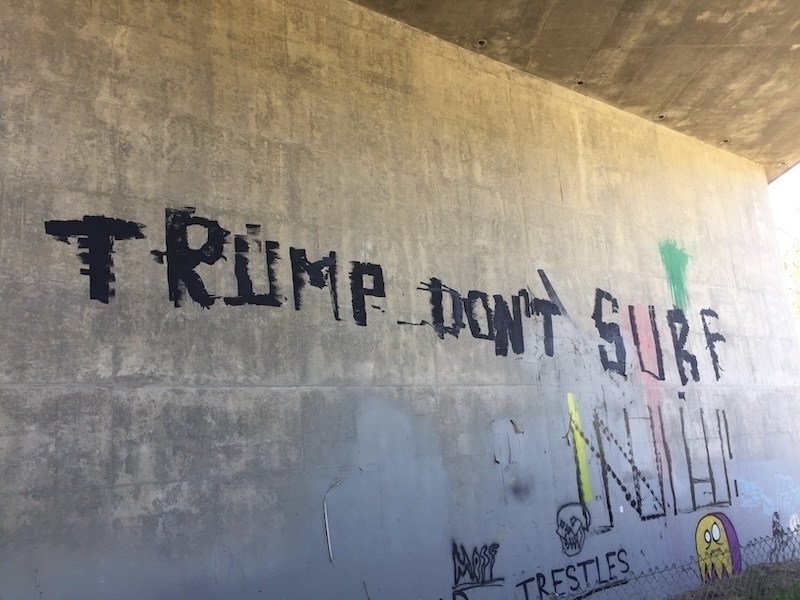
717	547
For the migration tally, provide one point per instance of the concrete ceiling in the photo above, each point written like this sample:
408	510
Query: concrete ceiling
724	71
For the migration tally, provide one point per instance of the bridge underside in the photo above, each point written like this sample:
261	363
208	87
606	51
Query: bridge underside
724	72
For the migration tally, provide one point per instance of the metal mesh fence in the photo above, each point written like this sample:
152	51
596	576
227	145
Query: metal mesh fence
763	569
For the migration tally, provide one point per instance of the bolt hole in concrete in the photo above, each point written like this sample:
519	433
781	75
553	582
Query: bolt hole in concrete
481	43
580	82
662	117
726	141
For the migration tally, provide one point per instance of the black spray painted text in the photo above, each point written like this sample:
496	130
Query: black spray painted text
491	317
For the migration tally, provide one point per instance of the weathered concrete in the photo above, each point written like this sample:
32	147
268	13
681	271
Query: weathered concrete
256	451
722	72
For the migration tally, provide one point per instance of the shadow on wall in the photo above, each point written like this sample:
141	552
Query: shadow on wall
393	500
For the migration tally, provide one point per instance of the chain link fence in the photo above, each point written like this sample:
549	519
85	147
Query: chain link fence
765	568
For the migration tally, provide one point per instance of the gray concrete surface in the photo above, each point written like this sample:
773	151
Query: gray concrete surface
284	442
723	72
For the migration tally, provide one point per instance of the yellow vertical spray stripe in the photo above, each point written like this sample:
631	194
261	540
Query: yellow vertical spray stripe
581	460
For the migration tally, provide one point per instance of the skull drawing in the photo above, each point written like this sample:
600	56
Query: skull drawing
573	522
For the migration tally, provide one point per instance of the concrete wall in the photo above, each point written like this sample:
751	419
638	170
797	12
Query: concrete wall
188	411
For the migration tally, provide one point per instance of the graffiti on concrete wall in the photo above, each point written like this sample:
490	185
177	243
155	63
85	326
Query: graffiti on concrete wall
572	525
579	579
780	539
717	546
474	569
502	323
629	463
707	461
616	465
785	540
623	458
651	345
785	497
495	318
95	236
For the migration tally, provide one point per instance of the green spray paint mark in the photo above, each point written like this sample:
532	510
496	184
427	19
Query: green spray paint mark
675	260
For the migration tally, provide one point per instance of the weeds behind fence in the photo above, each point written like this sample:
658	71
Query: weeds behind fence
769	569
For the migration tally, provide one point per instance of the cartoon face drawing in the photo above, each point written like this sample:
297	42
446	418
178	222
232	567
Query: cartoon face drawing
572	525
717	547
